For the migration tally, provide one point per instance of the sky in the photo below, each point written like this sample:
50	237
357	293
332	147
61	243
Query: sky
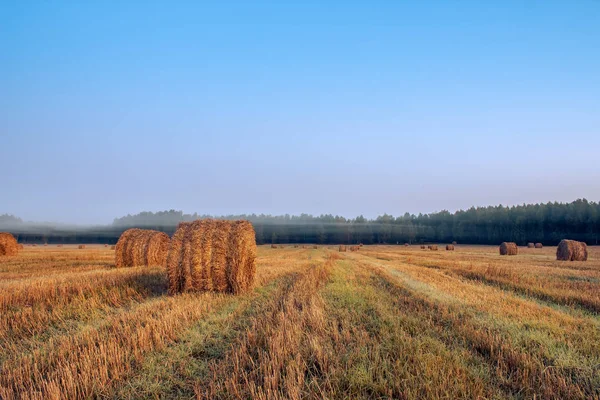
341	107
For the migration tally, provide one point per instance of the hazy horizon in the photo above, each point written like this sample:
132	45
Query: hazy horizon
337	108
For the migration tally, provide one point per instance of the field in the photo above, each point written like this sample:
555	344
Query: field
382	322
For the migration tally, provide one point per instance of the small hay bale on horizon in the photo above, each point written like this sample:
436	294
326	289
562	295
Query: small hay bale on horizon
406	244
433	247
342	248
571	250
449	247
8	244
212	255
422	247
509	249
454	243
538	246
81	246
273	246
530	245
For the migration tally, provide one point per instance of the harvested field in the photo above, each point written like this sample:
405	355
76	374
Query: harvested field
382	322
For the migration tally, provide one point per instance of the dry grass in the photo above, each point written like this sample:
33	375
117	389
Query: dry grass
384	322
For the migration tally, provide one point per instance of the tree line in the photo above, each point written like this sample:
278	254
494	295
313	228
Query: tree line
546	223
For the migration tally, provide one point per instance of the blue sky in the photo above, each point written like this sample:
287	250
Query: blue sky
109	108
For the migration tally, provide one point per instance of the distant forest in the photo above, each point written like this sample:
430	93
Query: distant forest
545	223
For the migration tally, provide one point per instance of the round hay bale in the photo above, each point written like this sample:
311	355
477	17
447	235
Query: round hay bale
141	247
342	248
454	243
530	245
509	249
212	255
422	247
433	247
295	246
406	244
81	246
8	245
315	247
449	247
538	246
113	247
273	246
571	250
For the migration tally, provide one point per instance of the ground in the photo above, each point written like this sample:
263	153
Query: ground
382	322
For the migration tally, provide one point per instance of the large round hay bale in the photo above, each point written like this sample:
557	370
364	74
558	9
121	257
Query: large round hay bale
509	249
141	247
538	246
8	244
212	255
571	250
530	245
449	247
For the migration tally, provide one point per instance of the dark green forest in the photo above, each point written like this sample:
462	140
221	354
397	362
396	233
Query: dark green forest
546	223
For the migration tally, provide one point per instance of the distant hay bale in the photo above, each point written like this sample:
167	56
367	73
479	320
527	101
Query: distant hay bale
81	246
509	249
354	248
429	247
530	245
59	245
105	245
141	247
273	246
571	250
342	248
8	245
433	247
305	247
538	246
422	247
295	246
212	255
360	245
449	247
315	247
406	244
113	247
454	243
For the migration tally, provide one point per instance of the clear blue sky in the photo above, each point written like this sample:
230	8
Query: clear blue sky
109	108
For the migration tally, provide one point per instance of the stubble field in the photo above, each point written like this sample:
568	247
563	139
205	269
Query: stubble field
382	322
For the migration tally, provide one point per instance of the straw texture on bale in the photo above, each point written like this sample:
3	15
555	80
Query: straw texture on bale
141	247
81	246
433	247
8	244
571	250
20	246
449	247
538	246
530	245
212	255
509	249
342	248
